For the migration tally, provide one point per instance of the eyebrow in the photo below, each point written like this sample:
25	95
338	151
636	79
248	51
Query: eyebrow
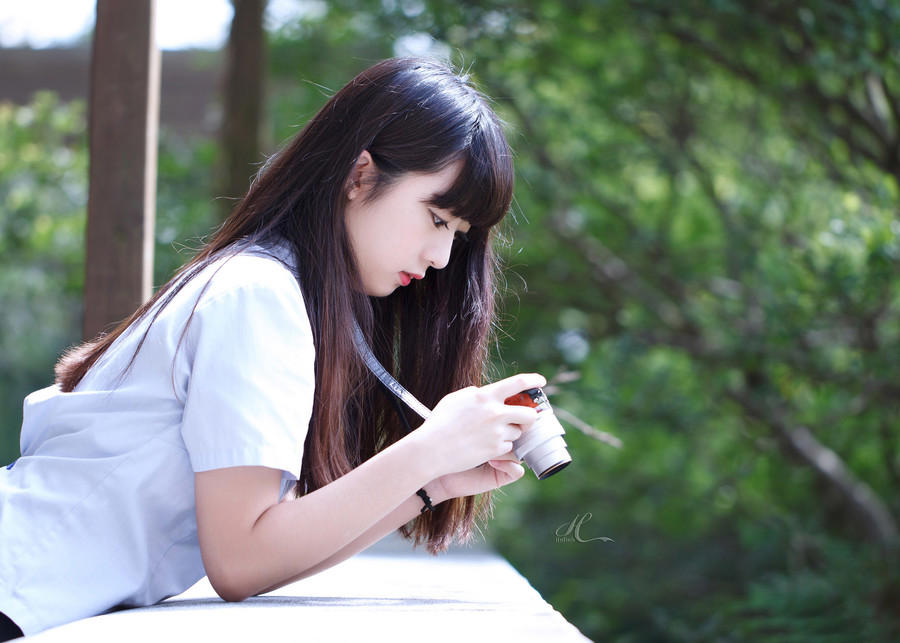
434	199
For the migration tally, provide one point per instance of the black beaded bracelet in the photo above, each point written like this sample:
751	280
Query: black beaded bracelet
424	496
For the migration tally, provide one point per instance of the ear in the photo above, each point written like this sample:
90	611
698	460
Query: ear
362	176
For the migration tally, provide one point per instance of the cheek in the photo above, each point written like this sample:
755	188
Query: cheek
405	236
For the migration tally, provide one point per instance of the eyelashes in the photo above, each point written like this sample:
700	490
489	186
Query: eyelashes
443	223
437	221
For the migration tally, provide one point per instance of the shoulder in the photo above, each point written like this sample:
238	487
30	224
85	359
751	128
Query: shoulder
251	272
244	284
252	294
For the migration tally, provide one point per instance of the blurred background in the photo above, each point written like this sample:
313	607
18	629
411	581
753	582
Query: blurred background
702	257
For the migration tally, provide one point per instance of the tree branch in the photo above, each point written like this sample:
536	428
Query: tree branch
888	149
855	494
666	301
587	429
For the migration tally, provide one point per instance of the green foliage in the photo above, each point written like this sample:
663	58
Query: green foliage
185	207
705	233
43	193
43	200
706	224
302	79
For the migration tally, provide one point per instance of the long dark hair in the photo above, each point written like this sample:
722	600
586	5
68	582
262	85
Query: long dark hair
412	115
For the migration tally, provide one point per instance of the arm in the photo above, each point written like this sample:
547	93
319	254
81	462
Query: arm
252	543
405	512
502	471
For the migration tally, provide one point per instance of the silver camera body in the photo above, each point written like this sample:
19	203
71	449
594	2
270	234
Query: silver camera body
542	447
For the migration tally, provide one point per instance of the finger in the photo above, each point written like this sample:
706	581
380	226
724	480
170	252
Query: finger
509	455
511	470
512	432
523	416
504	388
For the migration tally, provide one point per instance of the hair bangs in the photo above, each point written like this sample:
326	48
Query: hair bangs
482	191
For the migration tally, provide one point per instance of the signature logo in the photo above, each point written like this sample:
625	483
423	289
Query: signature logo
570	532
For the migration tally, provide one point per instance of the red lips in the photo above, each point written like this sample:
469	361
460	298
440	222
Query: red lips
406	277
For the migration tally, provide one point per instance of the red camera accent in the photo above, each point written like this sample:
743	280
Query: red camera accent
532	397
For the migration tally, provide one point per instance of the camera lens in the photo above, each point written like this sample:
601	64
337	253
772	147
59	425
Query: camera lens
541	447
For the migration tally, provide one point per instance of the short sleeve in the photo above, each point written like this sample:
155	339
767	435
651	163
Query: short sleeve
252	372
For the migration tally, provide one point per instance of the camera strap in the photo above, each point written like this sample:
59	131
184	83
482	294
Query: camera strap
386	378
393	386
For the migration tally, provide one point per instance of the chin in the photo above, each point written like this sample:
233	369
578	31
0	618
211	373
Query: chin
381	292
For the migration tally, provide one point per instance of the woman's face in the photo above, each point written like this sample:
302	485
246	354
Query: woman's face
400	235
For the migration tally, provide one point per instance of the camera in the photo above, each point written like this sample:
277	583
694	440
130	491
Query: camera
542	446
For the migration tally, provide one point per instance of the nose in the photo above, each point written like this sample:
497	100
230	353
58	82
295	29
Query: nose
437	254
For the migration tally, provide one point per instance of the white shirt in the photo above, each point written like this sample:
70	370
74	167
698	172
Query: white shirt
99	510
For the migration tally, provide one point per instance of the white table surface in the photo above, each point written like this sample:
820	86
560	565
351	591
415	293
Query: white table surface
390	592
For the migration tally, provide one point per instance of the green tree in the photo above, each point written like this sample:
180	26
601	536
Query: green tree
703	257
43	198
707	230
43	193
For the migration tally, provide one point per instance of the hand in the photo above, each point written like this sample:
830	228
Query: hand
491	475
471	426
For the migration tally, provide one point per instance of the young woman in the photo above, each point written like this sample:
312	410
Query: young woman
230	427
